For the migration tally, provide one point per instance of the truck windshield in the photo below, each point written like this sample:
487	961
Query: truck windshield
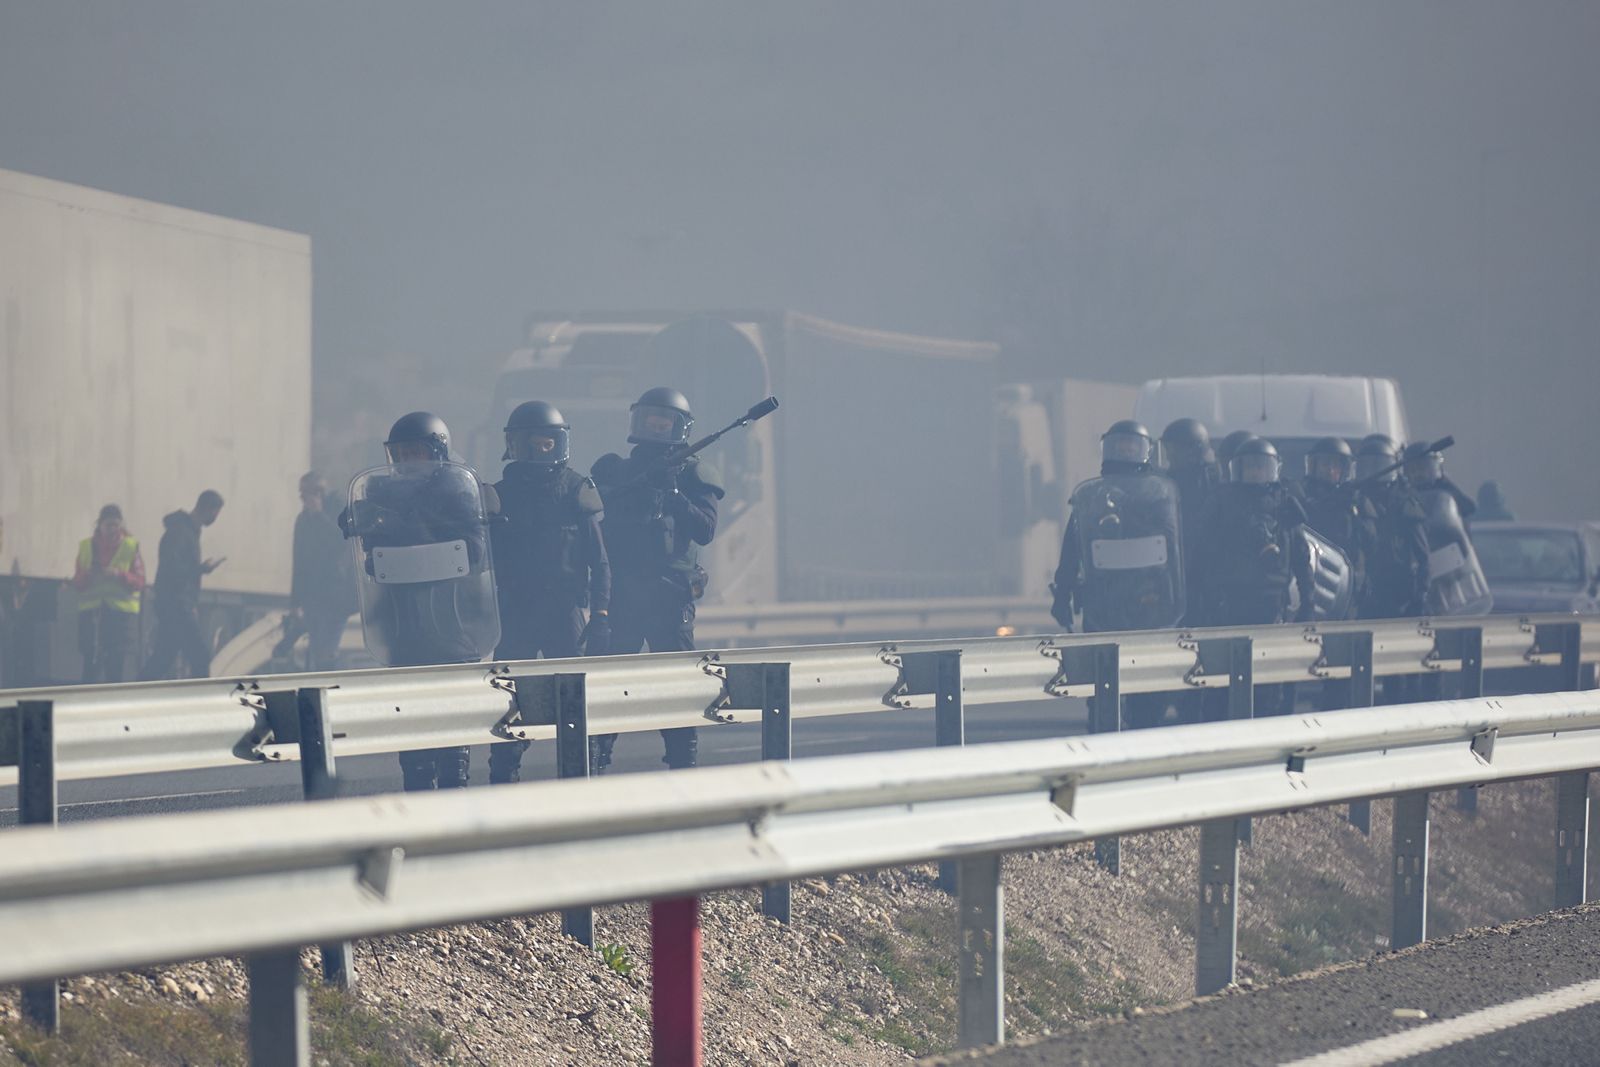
1510	555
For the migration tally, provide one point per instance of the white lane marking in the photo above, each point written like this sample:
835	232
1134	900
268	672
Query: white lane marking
138	800
1447	1032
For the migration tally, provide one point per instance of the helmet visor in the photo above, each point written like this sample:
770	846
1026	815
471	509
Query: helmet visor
652	425
548	446
1424	470
1329	467
407	453
1125	448
1255	468
1369	464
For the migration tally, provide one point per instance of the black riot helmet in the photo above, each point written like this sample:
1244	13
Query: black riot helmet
1127	442
1424	466
1255	462
1330	460
660	417
1377	452
1187	443
537	434
419	437
1230	444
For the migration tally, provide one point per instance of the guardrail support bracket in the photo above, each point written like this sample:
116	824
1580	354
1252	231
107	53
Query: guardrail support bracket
1217	929
36	806
280	1032
319	781
1105	716
1357	652
939	673
981	911
563	699
1572	839
1409	870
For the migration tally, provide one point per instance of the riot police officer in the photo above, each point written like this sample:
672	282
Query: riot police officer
550	556
1256	552
1122	555
1253	554
1192	466
1333	507
1456	582
1397	557
658	513
424	571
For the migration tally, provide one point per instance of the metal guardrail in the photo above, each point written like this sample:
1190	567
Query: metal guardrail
146	890
167	726
745	625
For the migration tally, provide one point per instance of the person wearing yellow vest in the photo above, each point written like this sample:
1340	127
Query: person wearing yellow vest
109	578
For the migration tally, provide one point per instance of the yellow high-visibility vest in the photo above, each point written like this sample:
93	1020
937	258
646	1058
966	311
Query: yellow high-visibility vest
107	588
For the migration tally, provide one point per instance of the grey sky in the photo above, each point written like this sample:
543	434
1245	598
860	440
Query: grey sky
1382	187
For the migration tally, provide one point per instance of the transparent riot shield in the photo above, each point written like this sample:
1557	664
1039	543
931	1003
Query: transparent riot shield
1332	580
1456	583
423	567
1128	539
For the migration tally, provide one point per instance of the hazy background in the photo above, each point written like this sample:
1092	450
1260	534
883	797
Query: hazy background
1115	190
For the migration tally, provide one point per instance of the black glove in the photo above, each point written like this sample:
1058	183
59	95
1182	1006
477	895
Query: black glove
596	637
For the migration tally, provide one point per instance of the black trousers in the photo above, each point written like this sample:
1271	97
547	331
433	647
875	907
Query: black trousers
104	637
552	633
178	636
434	768
323	631
660	615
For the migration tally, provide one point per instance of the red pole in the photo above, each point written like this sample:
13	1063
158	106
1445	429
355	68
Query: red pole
675	982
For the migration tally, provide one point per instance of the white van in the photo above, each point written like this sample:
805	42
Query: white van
1291	410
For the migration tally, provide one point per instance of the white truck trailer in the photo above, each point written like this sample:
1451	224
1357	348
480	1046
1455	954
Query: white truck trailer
147	352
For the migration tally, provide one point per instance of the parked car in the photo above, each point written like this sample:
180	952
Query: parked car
1540	566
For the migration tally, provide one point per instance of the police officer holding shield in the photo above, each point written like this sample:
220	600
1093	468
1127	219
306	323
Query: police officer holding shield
1192	466
1122	555
1397	558
1456	582
424	569
658	514
550	556
1335	509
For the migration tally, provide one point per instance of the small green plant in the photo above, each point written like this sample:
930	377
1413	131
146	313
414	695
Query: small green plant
738	977
615	956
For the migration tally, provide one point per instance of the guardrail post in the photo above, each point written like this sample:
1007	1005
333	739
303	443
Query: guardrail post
1572	839
280	1032
36	806
1105	716
1471	686
1242	702
319	781
949	728
563	699
1571	677
981	911
1410	870
675	982
1217	930
1360	690
777	742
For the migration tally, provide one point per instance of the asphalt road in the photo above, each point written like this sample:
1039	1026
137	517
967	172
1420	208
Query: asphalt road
741	743
1525	993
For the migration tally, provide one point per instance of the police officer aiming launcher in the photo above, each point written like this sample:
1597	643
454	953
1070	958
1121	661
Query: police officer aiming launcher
660	508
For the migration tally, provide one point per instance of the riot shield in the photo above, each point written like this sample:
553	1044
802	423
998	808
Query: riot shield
1132	553
1332	580
423	566
1456	583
